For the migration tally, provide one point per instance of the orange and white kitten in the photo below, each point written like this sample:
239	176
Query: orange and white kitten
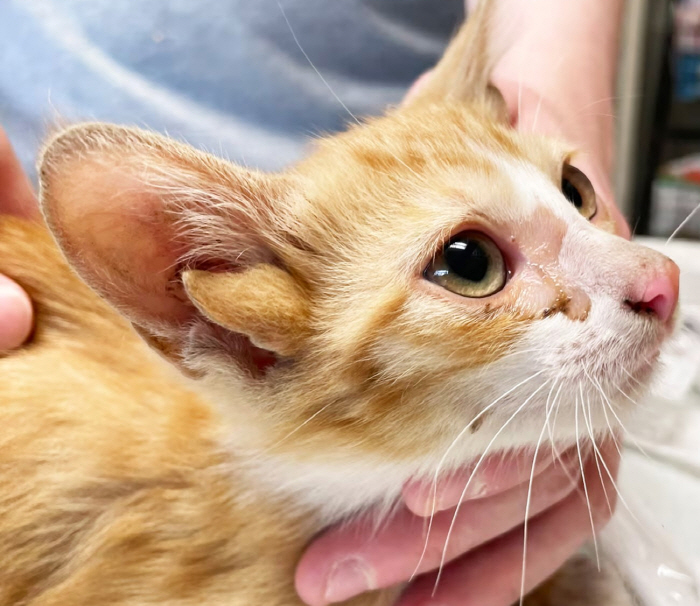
336	327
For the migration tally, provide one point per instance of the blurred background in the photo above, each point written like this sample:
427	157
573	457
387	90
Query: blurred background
658	175
657	182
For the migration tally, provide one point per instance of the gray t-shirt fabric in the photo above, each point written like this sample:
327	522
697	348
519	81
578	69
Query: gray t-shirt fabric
234	77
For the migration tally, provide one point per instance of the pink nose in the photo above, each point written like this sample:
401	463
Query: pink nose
659	295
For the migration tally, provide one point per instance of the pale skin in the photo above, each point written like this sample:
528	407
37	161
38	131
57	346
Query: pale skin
557	76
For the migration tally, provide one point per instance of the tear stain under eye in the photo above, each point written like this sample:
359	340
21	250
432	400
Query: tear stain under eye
573	303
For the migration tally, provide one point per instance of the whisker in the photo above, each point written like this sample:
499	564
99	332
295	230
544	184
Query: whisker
612	431
444	458
612	481
533	128
588	420
607	470
605	99
291	433
476	467
629	374
682	225
554	420
527	506
605	404
556	68
550	428
627	433
617	418
318	73
583	479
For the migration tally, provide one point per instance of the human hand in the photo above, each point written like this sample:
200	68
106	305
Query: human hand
484	556
588	128
557	70
16	198
536	105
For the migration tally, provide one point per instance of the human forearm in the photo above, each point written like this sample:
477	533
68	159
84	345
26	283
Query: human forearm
566	51
544	36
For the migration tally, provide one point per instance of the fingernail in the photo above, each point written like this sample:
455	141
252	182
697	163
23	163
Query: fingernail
477	488
15	315
348	578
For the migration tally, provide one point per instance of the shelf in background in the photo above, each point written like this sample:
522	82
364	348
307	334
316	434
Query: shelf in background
684	120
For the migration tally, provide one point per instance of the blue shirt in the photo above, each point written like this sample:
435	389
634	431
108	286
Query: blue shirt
234	77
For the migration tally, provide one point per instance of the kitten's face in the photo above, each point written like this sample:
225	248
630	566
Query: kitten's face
426	275
405	351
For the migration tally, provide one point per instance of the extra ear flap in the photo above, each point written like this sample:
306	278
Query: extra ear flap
464	71
131	210
270	307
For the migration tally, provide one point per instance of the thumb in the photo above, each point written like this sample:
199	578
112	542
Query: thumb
15	315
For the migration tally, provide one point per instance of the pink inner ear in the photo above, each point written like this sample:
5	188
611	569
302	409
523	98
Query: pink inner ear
121	240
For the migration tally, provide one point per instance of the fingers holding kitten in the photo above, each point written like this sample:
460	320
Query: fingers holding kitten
15	315
492	575
493	476
16	198
344	562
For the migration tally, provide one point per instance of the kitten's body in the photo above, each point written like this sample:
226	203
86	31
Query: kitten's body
321	371
115	486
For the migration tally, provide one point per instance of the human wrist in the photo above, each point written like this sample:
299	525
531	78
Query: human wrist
564	53
587	126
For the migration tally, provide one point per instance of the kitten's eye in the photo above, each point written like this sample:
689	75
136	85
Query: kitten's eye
578	190
469	265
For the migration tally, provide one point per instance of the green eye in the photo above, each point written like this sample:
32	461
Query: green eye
470	265
577	189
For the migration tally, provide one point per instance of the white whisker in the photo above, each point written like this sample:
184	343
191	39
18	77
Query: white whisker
318	73
606	404
599	455
291	433
627	433
550	427
583	479
476	467
588	420
533	128
604	407
444	458
554	419
527	507
682	225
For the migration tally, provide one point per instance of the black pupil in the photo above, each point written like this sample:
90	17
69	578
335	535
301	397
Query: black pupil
467	259
571	193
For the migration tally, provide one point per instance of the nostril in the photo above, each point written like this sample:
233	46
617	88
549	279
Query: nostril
659	297
657	306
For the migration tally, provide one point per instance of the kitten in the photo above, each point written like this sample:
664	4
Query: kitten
335	327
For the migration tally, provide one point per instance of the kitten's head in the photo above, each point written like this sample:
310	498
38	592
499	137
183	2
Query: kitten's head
424	272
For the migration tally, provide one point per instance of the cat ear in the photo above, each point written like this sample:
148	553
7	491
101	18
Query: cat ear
132	211
464	71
